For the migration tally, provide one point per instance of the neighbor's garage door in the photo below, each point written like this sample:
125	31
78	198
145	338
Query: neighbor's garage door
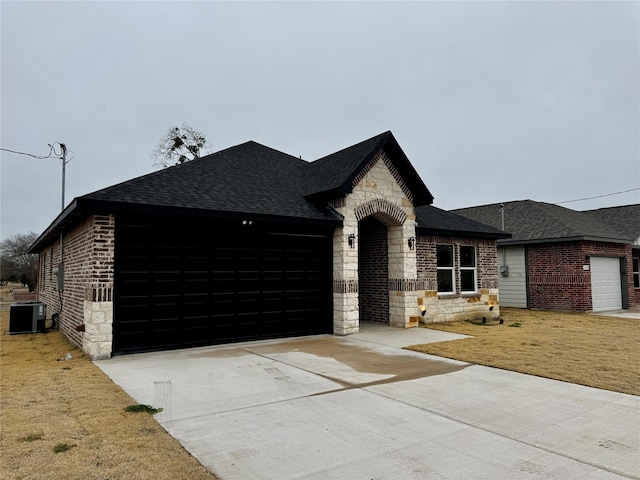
185	283
606	289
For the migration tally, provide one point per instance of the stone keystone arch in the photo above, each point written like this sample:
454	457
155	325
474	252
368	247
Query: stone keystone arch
383	210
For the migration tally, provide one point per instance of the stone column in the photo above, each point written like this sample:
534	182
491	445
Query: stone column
403	299
97	340
346	315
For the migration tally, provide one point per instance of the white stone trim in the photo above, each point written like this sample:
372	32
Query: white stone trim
97	340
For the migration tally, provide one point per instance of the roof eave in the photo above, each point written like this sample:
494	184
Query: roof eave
461	233
583	238
81	207
66	216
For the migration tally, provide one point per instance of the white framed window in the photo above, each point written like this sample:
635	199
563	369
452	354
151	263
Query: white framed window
636	272
445	269
468	269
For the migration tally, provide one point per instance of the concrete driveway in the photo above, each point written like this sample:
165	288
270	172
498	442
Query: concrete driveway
360	407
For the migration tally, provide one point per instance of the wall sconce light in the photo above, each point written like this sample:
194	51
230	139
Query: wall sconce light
412	243
352	240
423	310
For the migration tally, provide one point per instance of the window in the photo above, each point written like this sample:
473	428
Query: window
636	272
445	268
468	269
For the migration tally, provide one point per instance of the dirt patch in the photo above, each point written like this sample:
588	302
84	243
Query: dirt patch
596	351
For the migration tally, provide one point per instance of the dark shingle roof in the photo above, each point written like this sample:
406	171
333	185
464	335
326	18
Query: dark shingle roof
531	221
253	180
333	171
248	178
245	180
625	218
332	176
432	220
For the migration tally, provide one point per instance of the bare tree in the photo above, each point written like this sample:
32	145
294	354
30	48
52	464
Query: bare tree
17	264
179	145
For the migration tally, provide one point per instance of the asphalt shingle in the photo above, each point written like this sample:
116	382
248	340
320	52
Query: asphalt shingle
247	178
255	180
528	220
625	218
332	172
432	220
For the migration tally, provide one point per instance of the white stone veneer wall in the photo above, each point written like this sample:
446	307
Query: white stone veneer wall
445	308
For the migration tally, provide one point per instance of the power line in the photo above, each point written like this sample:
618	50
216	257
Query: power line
62	156
599	196
41	157
52	153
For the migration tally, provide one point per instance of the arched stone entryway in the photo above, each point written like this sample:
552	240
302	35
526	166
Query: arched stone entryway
379	203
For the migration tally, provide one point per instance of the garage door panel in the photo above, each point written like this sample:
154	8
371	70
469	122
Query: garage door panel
606	285
197	286
137	286
175	289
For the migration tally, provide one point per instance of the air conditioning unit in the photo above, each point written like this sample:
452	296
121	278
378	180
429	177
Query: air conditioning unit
27	317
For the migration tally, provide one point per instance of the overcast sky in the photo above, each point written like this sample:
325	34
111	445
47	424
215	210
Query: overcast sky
491	101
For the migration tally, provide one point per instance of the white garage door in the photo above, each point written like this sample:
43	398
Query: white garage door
606	289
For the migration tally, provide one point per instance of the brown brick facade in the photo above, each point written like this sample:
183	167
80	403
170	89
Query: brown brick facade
481	304
557	278
486	260
636	256
88	272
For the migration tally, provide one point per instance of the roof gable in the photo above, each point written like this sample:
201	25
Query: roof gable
334	175
530	221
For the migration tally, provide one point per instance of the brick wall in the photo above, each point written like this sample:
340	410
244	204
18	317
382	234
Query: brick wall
486	260
636	254
557	279
373	271
88	265
457	306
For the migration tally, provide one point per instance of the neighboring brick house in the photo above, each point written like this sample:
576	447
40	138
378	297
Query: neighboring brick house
562	259
252	243
625	219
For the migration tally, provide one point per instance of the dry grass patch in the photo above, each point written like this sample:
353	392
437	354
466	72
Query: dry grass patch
67	419
596	351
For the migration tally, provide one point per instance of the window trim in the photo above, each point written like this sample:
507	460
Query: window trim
451	269
635	266
473	269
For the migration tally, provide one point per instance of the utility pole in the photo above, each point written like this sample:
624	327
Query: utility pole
63	147
63	158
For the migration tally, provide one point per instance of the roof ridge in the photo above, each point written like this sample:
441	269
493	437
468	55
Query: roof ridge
611	208
384	135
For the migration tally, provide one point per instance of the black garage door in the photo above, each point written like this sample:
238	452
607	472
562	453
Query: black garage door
185	282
